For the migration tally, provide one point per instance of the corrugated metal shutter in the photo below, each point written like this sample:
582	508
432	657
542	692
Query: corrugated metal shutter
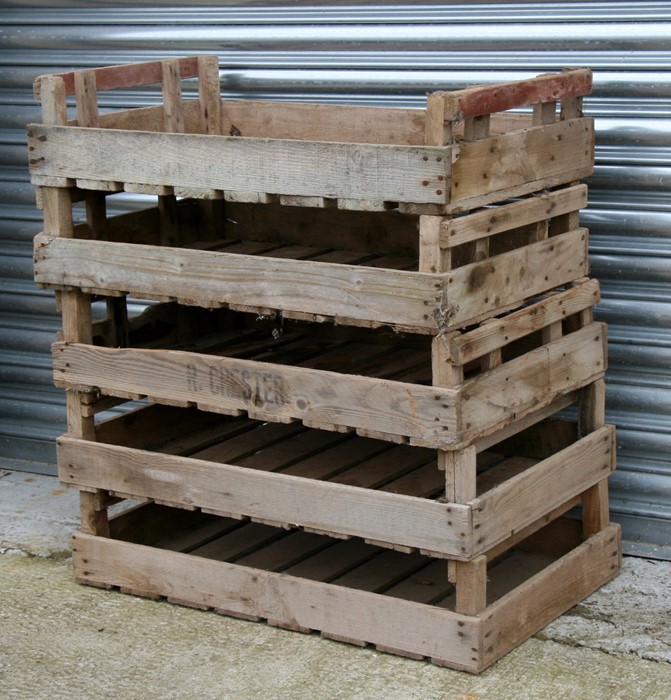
390	54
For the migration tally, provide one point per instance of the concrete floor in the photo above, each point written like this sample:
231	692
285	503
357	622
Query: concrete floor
62	640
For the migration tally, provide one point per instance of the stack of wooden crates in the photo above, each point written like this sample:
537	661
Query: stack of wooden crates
361	326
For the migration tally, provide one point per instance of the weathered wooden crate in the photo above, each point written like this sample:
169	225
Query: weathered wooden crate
444	246
349	591
461	152
483	379
342	484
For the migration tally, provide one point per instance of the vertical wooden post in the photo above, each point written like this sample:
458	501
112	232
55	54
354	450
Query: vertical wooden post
209	98
173	121
592	415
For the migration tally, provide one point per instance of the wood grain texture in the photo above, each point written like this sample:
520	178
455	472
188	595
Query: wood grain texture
319	122
499	163
325	506
563	584
332	170
526	384
122	76
349	293
486	99
339	611
497	333
490	222
476	291
315	396
343	291
525	498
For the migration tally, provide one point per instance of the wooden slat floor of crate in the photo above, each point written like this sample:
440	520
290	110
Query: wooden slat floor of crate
288	475
347	590
375	382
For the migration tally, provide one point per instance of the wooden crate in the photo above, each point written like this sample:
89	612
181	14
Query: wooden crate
348	591
463	151
380	384
342	484
446	261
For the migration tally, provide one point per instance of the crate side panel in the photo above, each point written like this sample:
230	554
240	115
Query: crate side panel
563	584
478	290
507	393
324	506
499	163
304	168
287	392
205	277
525	498
334	610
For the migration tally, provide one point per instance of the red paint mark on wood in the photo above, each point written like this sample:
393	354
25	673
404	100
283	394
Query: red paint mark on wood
487	99
126	76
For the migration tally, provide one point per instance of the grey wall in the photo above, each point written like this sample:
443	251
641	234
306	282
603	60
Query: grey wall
392	55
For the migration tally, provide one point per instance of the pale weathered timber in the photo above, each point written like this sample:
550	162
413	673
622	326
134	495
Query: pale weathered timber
476	291
336	610
498	164
326	506
563	584
490	222
396	297
318	122
498	513
439	417
530	382
298	598
387	296
323	169
497	333
314	396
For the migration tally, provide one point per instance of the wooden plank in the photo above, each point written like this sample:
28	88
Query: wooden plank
531	606
281	391
204	277
208	95
284	553
478	290
333	561
320	122
173	118
382	232
485	99
57	208
382	571
333	170
427	585
525	498
87	98
497	333
240	542
531	381
119	77
335	610
326	506
336	459
499	163
542	205
471	586
431	257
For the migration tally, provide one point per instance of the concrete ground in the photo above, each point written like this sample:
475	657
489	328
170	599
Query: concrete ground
62	640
